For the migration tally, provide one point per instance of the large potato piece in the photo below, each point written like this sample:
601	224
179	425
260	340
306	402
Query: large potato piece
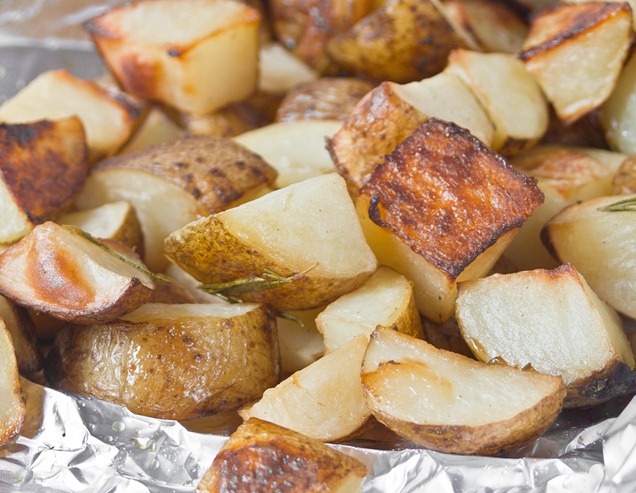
307	233
12	405
180	66
576	51
171	361
264	457
43	166
598	237
23	335
109	118
441	209
450	403
323	401
553	321
58	271
171	184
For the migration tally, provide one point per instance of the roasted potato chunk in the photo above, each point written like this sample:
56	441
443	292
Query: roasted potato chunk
281	70
553	321
12	405
43	166
618	113
261	456
171	361
23	335
300	344
624	181
156	127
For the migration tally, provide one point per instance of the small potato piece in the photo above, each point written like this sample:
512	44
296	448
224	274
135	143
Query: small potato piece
23	335
323	401
322	99
552	320
624	181
300	345
171	184
281	70
391	112
56	270
115	221
576	51
316	243
157	127
598	237
43	166
402	41
386	300
441	209
171	361
109	118
180	66
295	149
450	403
12	405
618	113
264	457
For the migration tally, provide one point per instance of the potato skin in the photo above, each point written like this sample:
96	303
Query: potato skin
170	369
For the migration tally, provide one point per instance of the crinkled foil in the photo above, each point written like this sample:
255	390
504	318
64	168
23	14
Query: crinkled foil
76	444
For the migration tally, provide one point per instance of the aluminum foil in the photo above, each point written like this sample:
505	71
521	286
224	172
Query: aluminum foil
77	444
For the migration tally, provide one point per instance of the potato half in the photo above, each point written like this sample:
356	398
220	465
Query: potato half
307	238
552	320
12	405
450	403
264	457
171	361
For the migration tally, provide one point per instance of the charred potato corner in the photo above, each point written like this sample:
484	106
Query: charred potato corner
327	219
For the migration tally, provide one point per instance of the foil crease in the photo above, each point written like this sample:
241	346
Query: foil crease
77	444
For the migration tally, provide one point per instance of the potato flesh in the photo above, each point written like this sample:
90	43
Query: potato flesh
619	111
105	221
162	311
15	223
300	345
12	406
280	70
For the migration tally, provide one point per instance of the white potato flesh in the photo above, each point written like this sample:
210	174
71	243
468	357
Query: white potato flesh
280	69
305	224
102	222
161	311
323	401
296	149
618	113
300	345
156	128
15	222
12	406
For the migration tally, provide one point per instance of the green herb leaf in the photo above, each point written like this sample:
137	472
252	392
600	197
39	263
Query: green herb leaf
625	205
290	317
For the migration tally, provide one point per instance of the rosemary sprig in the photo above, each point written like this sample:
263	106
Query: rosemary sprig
625	205
123	258
289	316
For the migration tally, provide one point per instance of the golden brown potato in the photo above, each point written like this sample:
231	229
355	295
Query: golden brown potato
261	456
271	260
624	181
322	99
12	405
43	166
180	66
171	361
23	335
58	271
171	184
402	41
563	35
450	403
553	321
109	118
441	209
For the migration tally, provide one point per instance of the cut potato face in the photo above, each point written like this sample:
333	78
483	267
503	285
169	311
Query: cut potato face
300	344
157	127
386	299
598	237
180	66
575	51
618	113
323	401
552	321
260	456
108	118
23	335
43	165
60	272
450	403
232	247
12	405
171	361
280	69
295	149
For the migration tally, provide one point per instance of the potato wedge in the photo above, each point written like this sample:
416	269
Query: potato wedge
12	405
281	70
386	300
553	321
261	456
109	118
598	236
171	184
171	361
576	51
618	113
43	165
323	401
450	403
58	271
300	345
231	247
180	66
295	149
441	209
23	335
391	112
